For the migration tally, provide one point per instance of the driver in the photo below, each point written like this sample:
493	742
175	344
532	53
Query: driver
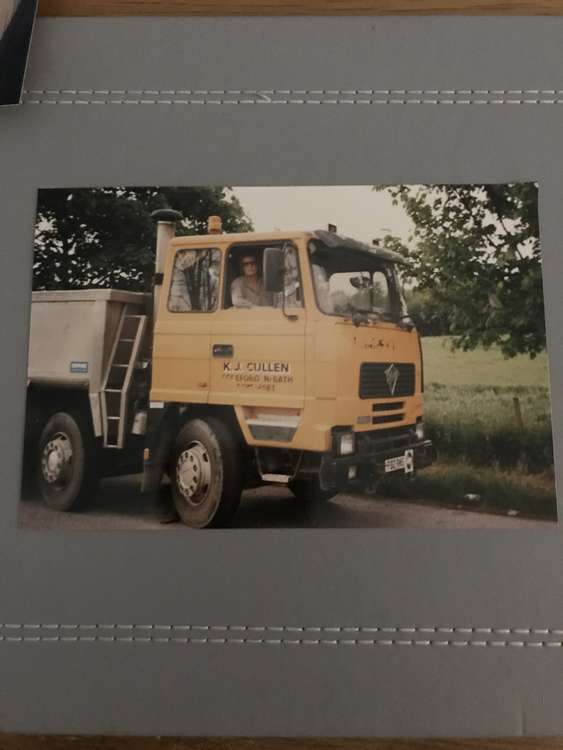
247	290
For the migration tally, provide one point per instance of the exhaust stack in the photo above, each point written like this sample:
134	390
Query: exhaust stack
166	220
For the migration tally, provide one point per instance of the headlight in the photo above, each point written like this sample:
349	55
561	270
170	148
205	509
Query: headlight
419	430
346	443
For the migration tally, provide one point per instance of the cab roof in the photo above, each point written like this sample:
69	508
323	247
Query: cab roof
331	240
225	238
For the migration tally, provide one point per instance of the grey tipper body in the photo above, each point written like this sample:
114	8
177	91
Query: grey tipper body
72	337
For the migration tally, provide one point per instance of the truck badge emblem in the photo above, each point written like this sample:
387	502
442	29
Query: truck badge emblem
392	377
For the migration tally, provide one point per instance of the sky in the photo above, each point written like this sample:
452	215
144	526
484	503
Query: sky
357	210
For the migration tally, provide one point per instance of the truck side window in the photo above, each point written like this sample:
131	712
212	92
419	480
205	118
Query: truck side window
195	280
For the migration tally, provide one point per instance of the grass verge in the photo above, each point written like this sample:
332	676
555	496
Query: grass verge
493	490
504	426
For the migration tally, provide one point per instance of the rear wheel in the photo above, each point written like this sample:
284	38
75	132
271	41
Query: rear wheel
310	491
66	457
206	474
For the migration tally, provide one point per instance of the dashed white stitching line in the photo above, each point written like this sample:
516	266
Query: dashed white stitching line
176	102
407	629
279	641
297	96
350	92
164	633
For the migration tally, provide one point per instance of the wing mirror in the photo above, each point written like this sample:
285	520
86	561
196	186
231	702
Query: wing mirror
273	269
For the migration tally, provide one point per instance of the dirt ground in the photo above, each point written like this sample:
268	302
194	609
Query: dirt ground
119	505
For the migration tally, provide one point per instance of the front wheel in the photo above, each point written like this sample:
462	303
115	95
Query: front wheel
67	470
206	474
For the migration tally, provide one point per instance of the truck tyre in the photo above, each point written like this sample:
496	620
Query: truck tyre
67	470
309	491
206	473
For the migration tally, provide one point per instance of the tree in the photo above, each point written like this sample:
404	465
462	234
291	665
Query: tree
429	318
477	254
104	237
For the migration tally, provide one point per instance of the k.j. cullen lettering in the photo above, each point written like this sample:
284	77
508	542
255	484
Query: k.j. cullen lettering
257	367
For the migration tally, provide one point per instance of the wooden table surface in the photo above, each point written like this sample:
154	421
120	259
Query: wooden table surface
284	7
297	7
18	742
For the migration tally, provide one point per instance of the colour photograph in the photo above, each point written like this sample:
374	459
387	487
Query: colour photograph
368	356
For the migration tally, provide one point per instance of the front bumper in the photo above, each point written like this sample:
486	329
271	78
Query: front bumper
373	450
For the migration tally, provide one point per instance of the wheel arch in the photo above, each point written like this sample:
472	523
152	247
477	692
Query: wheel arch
43	401
225	414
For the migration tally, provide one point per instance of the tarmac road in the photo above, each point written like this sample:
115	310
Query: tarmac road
119	505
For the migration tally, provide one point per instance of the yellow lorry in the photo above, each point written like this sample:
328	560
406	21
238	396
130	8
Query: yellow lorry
318	387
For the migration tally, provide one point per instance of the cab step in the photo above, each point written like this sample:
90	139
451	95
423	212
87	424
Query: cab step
277	478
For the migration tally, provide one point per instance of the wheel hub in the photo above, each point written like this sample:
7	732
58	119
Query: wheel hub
56	458
193	473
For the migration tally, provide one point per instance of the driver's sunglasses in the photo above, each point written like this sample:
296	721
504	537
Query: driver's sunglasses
249	263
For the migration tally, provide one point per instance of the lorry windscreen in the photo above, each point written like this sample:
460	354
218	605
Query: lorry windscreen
349	283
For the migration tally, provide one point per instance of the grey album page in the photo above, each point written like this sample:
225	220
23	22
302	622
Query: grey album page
330	629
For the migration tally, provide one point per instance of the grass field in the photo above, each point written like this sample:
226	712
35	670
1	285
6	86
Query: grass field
490	420
490	425
480	367
488	410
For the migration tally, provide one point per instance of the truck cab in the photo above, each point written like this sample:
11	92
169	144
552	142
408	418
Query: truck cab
314	380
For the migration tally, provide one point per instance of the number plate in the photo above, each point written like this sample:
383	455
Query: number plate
400	463
395	464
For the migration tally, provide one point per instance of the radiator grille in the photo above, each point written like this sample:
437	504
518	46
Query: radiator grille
374	377
385	438
388	418
388	406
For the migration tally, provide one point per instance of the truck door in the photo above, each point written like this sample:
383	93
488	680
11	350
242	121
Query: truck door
182	335
258	353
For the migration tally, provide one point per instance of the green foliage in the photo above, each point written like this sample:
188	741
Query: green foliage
477	255
429	317
480	424
448	482
470	412
104	237
483	449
